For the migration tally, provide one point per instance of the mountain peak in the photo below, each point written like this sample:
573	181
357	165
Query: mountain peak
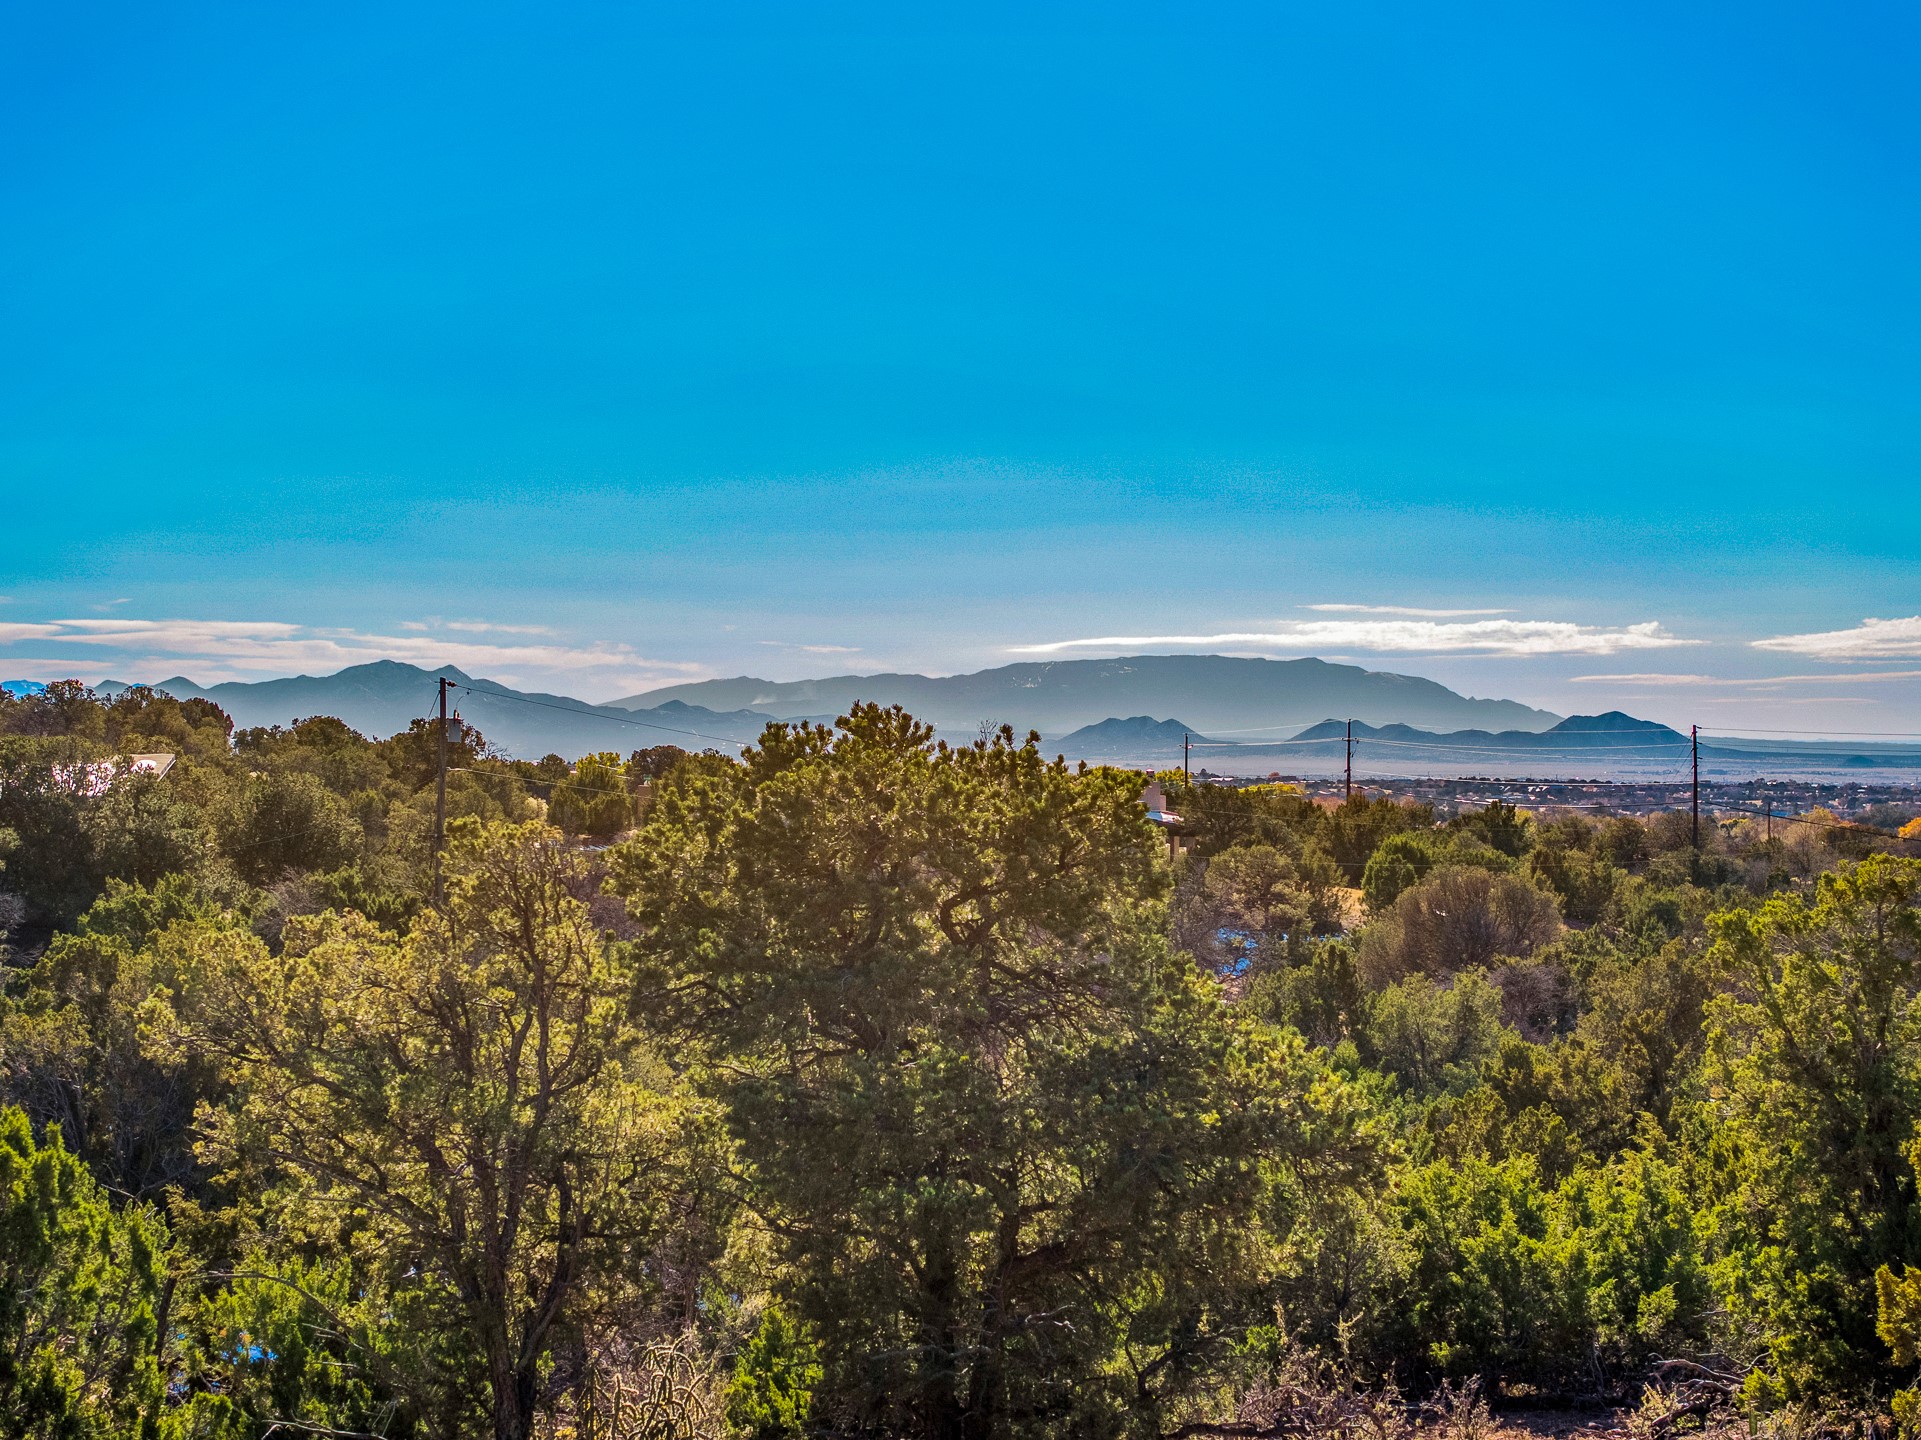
1612	720
1137	728
394	669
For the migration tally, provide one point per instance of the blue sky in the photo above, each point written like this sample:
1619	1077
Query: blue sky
590	348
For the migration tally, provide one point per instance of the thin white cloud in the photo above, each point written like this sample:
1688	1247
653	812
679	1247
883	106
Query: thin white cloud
194	632
482	627
1471	637
812	649
1795	700
247	648
1413	610
1870	640
1757	681
1648	679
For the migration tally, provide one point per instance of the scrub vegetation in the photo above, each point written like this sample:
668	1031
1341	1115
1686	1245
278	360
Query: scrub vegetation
866	1085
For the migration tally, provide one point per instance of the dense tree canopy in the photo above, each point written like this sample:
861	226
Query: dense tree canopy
866	1085
476	1094
1010	1151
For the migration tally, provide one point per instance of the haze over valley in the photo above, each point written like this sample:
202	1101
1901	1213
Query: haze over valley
1255	718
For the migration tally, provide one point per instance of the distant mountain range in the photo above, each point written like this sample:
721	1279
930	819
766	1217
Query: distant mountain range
1578	734
1609	740
1242	717
1587	738
1222	694
1611	745
386	696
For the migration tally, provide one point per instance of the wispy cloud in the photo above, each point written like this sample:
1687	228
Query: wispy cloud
812	649
1401	610
1471	637
1870	640
245	648
483	627
1793	700
1751	682
1648	679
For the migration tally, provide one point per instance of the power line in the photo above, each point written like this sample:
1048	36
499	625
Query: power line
1259	746
1821	734
1833	823
1717	807
1653	743
597	715
1678	745
283	835
509	775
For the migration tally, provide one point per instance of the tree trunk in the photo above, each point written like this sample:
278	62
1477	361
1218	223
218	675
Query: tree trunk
513	1392
942	1416
986	1392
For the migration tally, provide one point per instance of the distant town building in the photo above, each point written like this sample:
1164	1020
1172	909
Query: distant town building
1155	799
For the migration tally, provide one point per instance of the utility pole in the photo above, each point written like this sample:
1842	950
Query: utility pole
1184	774
1694	821
440	791
1770	805
1348	793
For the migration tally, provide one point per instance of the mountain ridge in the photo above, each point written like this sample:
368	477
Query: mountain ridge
385	696
1219	693
1609	743
382	697
1575	733
1134	738
1215	695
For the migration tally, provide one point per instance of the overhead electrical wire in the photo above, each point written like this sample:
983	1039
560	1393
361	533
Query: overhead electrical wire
1652	743
1823	734
1337	741
591	714
1664	748
1835	823
1832	823
509	775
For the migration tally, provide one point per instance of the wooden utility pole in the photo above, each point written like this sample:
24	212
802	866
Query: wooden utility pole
1184	774
1348	793
440	791
1694	821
